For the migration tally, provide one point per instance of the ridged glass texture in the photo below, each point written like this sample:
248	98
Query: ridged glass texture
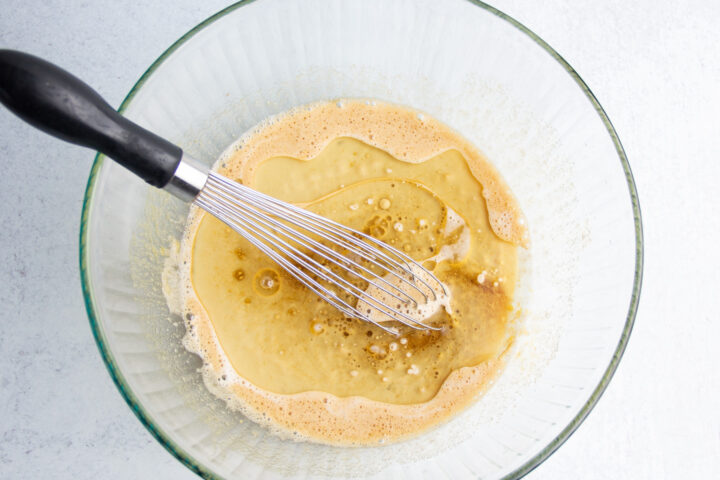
464	63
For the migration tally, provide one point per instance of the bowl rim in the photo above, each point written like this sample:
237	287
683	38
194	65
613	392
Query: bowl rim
186	458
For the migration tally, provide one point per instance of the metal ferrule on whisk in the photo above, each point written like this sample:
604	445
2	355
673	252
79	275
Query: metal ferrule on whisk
189	178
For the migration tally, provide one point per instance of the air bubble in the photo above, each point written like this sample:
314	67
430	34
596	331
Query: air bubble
267	282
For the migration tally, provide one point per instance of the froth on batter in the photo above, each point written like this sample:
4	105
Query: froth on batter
275	351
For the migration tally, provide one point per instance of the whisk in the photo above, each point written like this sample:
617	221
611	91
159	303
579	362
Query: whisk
339	264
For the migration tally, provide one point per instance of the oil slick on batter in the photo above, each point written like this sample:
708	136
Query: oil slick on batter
276	352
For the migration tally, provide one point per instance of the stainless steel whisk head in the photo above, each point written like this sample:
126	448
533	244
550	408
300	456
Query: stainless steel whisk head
324	255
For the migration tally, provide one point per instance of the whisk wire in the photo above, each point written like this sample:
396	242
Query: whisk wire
306	261
323	251
264	220
232	215
323	292
290	212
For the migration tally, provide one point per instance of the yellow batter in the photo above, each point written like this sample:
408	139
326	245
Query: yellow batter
274	350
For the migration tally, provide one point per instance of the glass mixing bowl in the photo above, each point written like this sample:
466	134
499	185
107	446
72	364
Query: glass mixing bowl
464	63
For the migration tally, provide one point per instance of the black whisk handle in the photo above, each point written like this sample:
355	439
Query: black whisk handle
53	100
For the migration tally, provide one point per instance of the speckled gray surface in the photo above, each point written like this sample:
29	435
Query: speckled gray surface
653	65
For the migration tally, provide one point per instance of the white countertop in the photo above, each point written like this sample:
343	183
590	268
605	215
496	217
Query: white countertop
654	66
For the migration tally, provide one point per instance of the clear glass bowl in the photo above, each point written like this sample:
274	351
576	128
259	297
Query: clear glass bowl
466	64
